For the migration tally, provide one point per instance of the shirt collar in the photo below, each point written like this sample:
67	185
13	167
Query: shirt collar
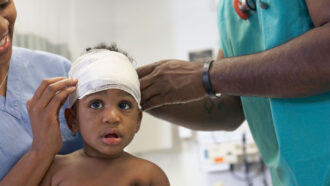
15	86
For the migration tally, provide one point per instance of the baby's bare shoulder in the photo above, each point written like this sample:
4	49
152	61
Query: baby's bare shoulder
140	163
63	160
59	162
150	170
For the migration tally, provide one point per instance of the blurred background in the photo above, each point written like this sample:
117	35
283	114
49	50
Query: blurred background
151	30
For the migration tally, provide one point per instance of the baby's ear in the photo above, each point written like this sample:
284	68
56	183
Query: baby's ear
138	121
71	120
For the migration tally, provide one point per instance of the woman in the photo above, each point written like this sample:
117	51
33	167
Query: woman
29	144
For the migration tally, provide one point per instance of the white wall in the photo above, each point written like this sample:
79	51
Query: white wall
195	26
149	30
143	28
92	22
43	18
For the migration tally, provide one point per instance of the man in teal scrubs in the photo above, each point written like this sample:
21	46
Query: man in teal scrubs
273	70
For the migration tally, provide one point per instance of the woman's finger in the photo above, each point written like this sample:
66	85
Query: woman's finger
59	99
43	85
53	89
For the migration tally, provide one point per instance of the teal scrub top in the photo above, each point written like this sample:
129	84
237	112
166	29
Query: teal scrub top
293	135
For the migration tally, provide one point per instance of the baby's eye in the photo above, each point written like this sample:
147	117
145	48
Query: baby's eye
96	105
125	105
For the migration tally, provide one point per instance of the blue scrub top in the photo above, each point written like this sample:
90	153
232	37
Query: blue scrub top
26	71
293	135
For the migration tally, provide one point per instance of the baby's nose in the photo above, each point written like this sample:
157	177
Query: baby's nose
111	116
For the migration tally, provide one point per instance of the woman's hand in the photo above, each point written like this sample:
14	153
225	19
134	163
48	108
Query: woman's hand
43	109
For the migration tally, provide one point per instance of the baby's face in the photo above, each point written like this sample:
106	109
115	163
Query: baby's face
108	121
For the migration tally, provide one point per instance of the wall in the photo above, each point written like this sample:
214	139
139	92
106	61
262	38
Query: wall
91	23
33	17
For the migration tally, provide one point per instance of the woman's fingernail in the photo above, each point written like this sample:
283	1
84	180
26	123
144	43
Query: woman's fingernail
72	88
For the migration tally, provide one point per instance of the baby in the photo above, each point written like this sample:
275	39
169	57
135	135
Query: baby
105	109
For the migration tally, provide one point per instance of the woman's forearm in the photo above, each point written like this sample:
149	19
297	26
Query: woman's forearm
29	170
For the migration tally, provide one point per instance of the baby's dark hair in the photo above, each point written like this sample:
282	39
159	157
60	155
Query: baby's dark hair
112	47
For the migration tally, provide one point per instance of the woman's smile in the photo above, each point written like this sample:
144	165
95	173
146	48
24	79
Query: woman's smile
4	43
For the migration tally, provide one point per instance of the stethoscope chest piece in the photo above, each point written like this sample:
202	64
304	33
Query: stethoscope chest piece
251	4
243	7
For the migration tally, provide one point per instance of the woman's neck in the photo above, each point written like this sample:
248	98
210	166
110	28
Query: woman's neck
3	79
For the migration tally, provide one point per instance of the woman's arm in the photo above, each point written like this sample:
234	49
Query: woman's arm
43	110
29	170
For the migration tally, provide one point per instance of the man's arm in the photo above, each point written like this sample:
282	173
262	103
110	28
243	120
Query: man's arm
224	113
298	68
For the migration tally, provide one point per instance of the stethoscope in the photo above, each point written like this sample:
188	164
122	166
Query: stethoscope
243	7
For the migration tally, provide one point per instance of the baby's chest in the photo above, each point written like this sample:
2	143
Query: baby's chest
102	178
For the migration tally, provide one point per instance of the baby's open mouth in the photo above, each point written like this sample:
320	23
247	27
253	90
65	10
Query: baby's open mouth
111	138
111	135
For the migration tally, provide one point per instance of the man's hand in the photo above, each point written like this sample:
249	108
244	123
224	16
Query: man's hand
43	109
169	82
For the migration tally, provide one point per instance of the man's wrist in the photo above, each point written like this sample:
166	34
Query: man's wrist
207	80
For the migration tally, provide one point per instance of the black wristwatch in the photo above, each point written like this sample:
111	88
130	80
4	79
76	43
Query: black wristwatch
207	80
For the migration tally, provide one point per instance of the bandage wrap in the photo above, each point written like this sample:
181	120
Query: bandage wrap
102	69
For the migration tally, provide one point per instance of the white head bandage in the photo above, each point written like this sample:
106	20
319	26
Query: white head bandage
102	69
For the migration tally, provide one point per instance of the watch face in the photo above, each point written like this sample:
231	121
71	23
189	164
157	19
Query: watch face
251	4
